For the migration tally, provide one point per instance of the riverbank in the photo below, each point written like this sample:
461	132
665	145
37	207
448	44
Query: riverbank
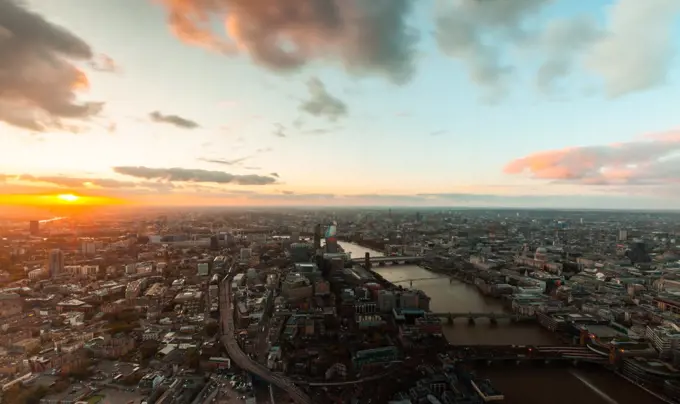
530	385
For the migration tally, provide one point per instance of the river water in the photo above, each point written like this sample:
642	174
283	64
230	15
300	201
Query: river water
520	385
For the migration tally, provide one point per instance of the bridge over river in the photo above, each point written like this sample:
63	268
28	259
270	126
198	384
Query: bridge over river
492	317
546	354
393	259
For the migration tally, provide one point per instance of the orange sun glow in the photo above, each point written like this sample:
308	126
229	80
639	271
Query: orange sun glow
68	197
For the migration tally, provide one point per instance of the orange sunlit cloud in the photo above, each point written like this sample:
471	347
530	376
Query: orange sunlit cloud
80	81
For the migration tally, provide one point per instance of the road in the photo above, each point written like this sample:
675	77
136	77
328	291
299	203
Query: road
240	358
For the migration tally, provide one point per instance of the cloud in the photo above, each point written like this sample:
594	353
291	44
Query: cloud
280	130
12	183
438	132
37	76
321	103
193	175
105	63
322	131
365	36
562	42
653	160
276	175
631	52
232	162
175	120
476	33
637	52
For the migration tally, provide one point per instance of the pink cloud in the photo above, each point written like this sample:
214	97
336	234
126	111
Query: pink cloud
651	160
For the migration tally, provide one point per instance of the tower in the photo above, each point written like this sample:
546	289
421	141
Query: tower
317	237
55	263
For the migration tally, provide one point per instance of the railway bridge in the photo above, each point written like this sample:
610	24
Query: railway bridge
392	259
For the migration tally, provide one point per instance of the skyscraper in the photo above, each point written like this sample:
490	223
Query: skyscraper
317	237
331	239
55	263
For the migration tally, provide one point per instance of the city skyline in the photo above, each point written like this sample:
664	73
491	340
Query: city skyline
532	103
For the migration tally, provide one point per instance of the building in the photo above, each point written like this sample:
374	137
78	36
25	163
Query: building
296	286
55	263
203	269
10	304
387	301
88	247
309	269
301	252
34	227
246	253
374	356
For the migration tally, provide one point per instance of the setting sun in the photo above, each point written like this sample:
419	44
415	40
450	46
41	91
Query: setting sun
68	197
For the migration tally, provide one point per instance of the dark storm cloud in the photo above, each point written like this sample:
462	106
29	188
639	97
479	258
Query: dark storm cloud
37	79
177	174
321	103
366	36
175	120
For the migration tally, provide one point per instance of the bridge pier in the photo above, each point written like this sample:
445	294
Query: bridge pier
450	319
471	321
493	320
381	263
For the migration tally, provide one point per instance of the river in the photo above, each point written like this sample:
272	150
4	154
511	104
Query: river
521	385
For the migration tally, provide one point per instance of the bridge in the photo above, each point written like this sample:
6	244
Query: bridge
492	317
546	354
393	259
419	279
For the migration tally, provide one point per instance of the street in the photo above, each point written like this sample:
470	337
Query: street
240	358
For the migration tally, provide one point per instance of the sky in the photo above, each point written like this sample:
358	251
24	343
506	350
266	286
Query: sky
522	103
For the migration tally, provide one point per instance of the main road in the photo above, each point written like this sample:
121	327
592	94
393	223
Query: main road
240	358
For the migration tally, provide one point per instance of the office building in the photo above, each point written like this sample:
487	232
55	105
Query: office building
214	243
55	263
203	269
34	227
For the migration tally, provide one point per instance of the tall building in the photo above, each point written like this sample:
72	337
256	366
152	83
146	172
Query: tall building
317	237
214	242
331	239
55	263
89	247
34	227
